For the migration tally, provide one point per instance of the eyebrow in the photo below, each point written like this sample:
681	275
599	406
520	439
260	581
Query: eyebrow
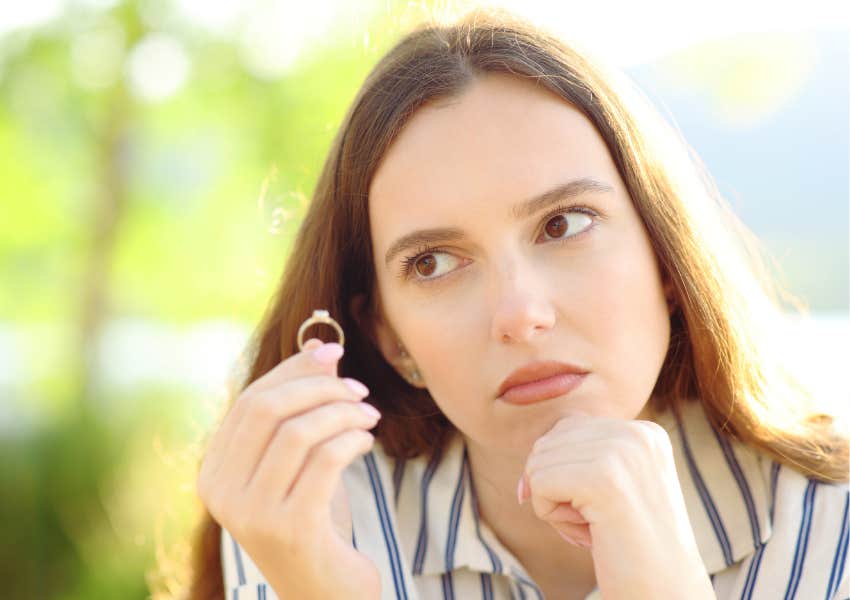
522	210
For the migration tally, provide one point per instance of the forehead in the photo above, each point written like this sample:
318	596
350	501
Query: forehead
500	142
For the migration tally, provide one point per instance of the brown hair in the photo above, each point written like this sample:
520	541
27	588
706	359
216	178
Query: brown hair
726	303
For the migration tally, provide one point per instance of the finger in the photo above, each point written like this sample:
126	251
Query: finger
565	512
313	359
222	438
302	363
553	485
266	412
316	483
568	453
295	438
579	533
312	344
557	437
577	419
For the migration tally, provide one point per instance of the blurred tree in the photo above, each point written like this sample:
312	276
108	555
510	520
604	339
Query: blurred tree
147	173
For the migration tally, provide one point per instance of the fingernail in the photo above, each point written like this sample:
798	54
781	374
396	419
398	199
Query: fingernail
312	343
565	512
568	538
356	386
575	541
519	497
526	490
370	410
328	353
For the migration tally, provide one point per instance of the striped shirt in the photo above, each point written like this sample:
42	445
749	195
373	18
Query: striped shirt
763	530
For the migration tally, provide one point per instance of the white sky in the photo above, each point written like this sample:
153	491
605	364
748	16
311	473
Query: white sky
625	33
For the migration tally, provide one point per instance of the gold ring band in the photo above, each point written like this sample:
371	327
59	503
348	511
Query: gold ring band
319	316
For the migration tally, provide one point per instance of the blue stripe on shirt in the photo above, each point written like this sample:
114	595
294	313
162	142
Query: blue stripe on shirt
802	540
520	590
448	586
494	558
454	517
522	582
705	497
840	555
752	573
422	540
240	568
774	480
398	475
386	525
486	586
747	494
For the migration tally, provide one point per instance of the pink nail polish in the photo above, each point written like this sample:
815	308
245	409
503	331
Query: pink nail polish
328	353
526	489
370	410
568	538
355	386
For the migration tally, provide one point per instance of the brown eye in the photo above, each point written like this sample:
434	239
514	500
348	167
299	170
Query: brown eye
425	266
564	226
428	263
556	226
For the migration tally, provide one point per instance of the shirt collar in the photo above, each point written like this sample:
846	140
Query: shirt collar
722	481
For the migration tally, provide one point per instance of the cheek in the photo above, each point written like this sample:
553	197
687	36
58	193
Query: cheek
448	365
446	359
627	321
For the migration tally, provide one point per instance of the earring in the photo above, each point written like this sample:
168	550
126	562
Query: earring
414	375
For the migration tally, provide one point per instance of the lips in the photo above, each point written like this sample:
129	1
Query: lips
539	381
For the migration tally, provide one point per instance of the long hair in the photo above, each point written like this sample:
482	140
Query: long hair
726	304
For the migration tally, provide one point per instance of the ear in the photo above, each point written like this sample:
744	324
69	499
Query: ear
384	337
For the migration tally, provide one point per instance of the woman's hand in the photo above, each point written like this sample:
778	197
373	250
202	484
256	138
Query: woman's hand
272	476
611	485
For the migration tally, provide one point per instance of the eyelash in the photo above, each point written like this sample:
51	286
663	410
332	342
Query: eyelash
408	263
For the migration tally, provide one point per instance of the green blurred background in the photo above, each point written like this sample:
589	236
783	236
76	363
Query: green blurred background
155	157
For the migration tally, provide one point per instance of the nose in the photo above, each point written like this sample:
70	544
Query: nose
522	309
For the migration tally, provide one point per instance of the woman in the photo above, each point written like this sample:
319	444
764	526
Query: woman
498	210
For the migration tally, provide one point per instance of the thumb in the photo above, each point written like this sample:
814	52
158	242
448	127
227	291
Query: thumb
542	506
565	512
319	366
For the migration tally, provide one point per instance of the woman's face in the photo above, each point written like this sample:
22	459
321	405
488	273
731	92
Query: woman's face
573	280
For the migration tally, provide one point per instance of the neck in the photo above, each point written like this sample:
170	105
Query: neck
537	546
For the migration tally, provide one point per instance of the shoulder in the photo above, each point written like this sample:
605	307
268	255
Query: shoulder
799	500
805	554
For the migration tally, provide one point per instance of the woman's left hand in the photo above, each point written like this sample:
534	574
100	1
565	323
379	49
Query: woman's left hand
611	485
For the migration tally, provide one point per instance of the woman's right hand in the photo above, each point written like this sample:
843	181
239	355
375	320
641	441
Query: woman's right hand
272	475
